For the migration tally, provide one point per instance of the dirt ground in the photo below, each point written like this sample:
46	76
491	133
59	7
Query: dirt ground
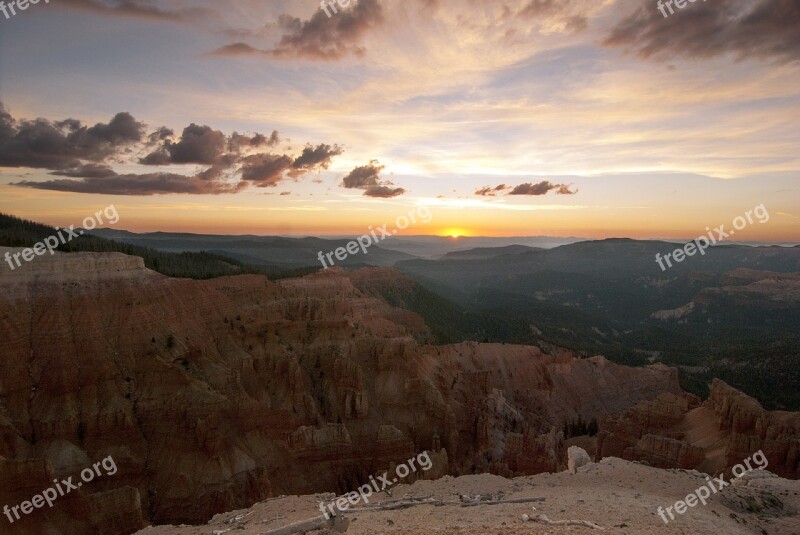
617	495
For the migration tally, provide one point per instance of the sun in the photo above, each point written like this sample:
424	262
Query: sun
454	233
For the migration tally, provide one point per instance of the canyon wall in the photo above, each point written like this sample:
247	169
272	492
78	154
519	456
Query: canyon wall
212	395
683	432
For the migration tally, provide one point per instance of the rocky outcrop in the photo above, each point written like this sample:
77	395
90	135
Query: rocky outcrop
213	395
678	432
665	452
77	511
576	458
751	428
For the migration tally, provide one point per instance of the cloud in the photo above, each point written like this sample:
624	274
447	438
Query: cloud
318	157
84	156
321	38
368	178
764	29
489	191
239	142
161	134
42	144
265	169
198	144
87	170
204	145
131	184
384	192
540	188
364	176
563	189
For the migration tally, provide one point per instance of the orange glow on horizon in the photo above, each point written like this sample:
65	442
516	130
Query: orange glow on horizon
454	233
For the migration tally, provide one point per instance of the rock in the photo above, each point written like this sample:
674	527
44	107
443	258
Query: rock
755	475
678	431
213	395
577	457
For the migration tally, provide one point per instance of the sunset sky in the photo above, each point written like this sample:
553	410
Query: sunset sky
507	118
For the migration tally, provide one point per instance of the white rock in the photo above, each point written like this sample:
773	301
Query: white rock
577	457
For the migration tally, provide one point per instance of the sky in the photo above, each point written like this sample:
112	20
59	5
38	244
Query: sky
586	118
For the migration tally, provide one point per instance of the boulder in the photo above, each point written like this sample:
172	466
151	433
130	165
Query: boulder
577	457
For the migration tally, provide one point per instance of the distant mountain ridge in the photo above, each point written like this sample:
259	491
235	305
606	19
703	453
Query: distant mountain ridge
270	252
732	313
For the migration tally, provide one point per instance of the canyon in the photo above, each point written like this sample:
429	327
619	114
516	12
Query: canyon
214	395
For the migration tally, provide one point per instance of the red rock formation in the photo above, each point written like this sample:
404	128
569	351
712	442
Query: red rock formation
751	428
212	395
114	511
674	432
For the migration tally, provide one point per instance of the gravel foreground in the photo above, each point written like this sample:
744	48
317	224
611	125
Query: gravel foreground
619	496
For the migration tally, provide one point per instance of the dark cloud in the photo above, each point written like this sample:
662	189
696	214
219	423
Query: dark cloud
84	154
321	37
131	184
541	188
160	135
198	144
239	142
215	172
327	38
489	191
122	129
368	178
318	157
265	169
204	145
764	29
87	170
364	176
384	192
160	156
43	144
